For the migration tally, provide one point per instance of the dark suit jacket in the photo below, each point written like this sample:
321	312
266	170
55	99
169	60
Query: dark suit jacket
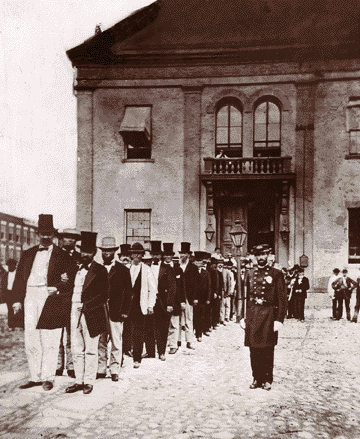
204	287
300	289
56	311
120	290
340	288
94	296
214	280
189	283
166	290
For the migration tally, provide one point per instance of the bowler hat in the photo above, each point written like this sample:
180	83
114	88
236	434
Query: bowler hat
185	247
168	248
147	256
124	249
155	247
88	242
108	244
137	248
261	249
70	233
45	224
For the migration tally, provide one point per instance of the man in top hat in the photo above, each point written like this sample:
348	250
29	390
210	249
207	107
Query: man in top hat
143	300
204	293
124	255
166	292
42	286
88	315
67	242
265	312
118	305
187	274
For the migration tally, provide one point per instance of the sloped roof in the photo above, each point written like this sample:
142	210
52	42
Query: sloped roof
191	25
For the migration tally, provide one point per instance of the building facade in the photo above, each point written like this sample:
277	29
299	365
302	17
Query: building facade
17	234
217	112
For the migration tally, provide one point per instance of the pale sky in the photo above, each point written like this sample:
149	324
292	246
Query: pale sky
38	137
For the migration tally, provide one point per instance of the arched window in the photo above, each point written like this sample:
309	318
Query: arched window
267	130
229	128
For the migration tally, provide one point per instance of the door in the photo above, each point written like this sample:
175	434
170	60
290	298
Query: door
232	209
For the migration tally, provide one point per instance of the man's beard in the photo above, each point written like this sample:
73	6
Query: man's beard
68	247
108	261
46	242
183	259
262	262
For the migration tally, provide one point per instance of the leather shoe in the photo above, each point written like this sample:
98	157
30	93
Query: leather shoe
223	323
30	384
128	353
114	377
254	385
74	388
100	376
147	356
136	365
162	357
266	386
173	350
48	385
179	343
59	372
87	389
199	339
190	346
207	334
71	373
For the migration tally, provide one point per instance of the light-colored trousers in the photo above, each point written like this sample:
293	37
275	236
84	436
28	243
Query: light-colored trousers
41	345
65	340
225	308
84	348
116	349
176	322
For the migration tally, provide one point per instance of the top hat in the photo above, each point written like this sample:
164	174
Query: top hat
125	249
88	242
199	256
147	256
108	244
185	248
70	233
45	224
168	248
137	248
155	247
262	249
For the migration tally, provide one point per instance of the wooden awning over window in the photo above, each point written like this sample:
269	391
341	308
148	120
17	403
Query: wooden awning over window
136	125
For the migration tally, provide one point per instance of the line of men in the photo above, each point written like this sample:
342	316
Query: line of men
127	303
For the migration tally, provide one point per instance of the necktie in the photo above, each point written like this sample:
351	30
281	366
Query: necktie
42	249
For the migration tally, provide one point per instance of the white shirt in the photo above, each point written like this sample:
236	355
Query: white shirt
134	272
155	270
330	289
183	267
39	270
171	264
109	267
11	278
78	287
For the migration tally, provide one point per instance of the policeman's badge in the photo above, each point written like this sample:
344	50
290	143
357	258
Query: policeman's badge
269	279
259	300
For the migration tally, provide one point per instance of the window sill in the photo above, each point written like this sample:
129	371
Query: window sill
138	161
352	157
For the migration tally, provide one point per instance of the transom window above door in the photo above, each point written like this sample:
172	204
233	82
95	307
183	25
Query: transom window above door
229	123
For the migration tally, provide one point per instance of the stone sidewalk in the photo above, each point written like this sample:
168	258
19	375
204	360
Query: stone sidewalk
205	393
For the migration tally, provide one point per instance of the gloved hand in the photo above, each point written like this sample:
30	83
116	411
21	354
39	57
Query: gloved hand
16	307
242	323
277	326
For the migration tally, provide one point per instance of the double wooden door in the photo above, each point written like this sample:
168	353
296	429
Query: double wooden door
229	211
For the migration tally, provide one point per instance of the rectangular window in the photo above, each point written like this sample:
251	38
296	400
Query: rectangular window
3	254
354	235
135	130
11	252
353	125
32	238
11	232
138	227
18	253
3	230
18	233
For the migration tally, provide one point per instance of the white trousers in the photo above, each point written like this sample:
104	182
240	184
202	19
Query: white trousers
41	345
176	322
83	347
225	308
116	349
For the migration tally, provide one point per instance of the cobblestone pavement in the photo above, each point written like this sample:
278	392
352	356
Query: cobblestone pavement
204	393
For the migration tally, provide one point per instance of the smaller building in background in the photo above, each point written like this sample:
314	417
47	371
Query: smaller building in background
16	234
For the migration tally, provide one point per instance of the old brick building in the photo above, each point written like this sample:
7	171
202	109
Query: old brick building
274	84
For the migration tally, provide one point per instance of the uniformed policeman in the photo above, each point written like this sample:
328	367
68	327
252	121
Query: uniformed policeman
265	312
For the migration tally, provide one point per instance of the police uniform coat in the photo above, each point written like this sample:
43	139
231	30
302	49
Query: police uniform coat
266	302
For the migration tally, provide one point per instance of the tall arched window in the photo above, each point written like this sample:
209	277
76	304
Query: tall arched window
229	128
267	130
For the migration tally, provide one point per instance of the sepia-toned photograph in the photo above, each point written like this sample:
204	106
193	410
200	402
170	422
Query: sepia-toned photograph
180	219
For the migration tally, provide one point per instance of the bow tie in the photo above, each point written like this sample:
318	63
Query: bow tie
42	249
155	263
84	266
